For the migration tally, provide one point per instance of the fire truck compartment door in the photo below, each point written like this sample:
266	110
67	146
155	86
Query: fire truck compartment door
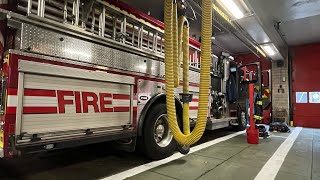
63	99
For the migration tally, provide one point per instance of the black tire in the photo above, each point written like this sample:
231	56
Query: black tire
242	122
150	147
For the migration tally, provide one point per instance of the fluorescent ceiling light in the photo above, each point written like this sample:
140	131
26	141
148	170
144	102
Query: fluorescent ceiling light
269	50
233	8
260	51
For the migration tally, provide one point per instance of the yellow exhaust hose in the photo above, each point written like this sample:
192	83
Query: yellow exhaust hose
170	68
185	52
176	64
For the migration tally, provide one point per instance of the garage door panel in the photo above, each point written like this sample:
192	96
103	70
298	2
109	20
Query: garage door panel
306	68
309	121
307	109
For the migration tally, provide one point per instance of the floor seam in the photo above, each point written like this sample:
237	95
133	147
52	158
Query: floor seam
222	162
253	166
164	175
208	157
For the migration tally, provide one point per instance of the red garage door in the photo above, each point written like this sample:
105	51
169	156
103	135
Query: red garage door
306	86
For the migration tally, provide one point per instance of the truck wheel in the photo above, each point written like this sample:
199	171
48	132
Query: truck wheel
242	121
158	140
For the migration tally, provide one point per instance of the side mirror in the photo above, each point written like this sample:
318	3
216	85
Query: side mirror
248	73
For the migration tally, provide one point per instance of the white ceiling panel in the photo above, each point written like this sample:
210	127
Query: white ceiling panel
253	28
302	31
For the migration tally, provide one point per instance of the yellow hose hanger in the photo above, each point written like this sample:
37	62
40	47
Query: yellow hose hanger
177	50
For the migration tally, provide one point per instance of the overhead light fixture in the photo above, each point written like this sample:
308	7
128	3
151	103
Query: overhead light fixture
260	51
269	50
232	8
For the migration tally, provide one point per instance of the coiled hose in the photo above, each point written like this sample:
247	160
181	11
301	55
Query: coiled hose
172	66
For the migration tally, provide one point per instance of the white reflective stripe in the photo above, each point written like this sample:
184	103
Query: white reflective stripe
193	104
12	100
146	167
120	102
37	101
191	89
53	101
270	170
195	96
32	101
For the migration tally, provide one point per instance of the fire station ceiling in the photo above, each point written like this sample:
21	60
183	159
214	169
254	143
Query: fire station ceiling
300	19
153	8
225	41
268	25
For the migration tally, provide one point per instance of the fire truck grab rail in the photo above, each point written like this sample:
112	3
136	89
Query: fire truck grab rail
106	20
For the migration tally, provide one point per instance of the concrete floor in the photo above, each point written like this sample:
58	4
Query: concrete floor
235	159
230	159
89	162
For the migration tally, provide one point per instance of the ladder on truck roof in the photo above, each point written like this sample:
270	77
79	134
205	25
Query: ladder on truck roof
105	20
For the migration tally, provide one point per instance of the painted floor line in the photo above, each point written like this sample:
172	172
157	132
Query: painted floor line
145	167
270	170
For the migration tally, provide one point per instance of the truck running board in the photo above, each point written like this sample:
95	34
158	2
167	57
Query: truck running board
213	124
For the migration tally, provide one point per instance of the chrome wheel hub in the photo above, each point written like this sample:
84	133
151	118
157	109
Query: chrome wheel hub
162	133
160	130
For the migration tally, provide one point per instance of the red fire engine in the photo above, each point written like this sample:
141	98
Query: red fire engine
77	73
